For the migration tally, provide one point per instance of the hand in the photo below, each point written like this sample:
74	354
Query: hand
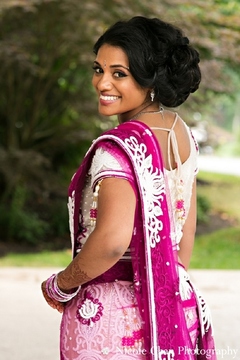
53	303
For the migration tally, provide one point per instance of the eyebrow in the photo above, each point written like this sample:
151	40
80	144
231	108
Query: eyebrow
114	66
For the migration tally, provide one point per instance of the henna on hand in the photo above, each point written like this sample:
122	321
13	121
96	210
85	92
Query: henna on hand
72	277
53	303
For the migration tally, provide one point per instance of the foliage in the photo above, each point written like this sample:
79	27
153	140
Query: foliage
19	223
222	192
203	209
48	113
218	250
43	132
27	221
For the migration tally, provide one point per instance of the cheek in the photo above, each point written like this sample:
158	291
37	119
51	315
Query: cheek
139	96
140	93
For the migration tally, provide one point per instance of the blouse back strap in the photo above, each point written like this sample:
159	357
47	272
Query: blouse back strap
172	140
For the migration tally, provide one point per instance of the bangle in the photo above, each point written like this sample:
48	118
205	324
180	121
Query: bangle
57	294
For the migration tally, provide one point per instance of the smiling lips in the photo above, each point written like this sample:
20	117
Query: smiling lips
106	99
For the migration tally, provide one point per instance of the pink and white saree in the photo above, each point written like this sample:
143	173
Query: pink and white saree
144	307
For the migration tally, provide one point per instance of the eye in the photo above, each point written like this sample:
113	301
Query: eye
97	69
119	74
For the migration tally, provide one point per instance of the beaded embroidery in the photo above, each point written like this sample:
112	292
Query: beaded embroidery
179	204
93	210
134	336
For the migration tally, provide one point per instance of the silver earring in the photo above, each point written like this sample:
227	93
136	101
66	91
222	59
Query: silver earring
152	95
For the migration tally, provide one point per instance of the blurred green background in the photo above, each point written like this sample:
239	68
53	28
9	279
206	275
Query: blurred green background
48	117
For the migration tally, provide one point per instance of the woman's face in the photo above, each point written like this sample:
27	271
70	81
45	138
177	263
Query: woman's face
118	92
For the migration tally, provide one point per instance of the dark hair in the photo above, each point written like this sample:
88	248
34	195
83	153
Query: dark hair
160	57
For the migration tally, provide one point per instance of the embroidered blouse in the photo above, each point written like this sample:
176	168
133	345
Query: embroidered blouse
105	163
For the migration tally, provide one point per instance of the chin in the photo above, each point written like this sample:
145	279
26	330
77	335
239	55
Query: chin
106	112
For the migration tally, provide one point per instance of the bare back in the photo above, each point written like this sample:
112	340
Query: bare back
171	122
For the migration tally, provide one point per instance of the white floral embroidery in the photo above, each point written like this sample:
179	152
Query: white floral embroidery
204	312
71	205
101	161
88	309
152	186
184	285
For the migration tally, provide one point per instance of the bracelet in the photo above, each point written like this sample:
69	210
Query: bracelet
57	294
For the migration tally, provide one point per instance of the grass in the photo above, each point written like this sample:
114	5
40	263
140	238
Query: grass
217	250
41	259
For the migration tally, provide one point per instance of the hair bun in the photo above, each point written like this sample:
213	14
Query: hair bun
183	41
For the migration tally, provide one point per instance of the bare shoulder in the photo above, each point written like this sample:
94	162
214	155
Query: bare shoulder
173	118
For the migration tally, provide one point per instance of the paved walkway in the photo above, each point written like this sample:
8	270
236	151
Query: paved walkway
29	328
221	165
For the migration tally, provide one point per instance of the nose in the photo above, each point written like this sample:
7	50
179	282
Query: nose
103	82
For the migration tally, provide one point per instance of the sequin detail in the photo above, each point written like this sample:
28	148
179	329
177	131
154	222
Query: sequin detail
180	204
134	335
93	210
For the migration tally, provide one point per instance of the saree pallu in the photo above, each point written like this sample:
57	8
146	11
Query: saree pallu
162	325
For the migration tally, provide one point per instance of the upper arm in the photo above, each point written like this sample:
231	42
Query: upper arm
110	238
115	215
189	229
116	198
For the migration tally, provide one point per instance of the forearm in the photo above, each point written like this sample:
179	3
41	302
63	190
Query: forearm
189	229
185	252
91	262
73	276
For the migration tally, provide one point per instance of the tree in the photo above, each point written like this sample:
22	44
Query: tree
42	76
48	111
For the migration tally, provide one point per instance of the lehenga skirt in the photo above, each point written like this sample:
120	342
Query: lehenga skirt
103	322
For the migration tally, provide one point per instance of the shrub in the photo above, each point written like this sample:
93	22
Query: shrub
20	223
203	209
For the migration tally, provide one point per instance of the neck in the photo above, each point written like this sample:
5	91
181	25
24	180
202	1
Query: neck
147	108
